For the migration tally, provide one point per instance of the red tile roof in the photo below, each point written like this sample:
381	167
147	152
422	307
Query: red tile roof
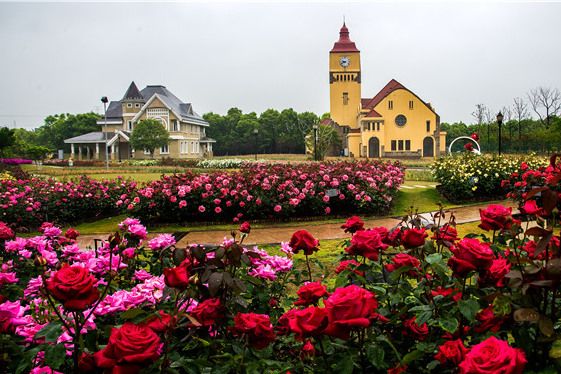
344	44
373	113
388	89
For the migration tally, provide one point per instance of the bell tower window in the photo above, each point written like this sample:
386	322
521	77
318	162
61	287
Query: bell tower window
345	98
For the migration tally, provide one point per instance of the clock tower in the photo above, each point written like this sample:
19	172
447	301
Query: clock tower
344	81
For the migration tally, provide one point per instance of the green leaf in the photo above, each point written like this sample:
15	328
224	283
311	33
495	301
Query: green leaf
469	308
449	324
55	356
433	258
433	364
51	332
376	354
132	313
412	356
345	366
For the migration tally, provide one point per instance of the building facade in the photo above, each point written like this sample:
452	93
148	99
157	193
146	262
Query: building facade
186	128
394	123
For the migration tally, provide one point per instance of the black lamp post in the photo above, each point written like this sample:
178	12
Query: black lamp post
500	123
104	100
315	127
256	132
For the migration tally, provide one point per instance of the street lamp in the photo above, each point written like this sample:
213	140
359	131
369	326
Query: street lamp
256	132
104	100
315	127
500	123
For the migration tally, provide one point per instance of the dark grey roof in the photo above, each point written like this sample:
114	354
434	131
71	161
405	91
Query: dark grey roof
133	93
91	137
185	110
114	111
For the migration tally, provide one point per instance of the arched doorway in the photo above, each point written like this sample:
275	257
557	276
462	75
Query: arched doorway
373	147
428	147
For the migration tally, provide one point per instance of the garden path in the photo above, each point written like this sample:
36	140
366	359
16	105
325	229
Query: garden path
271	235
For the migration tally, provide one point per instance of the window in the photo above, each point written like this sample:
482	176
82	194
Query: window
408	145
400	145
164	149
175	125
345	98
390	104
428	125
137	105
378	126
146	151
410	104
184	147
400	120
129	125
129	105
394	145
197	149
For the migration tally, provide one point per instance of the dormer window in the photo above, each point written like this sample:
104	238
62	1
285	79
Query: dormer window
137	105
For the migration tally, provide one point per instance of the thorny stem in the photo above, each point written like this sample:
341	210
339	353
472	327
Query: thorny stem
309	270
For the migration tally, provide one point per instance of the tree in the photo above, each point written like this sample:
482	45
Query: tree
149	134
326	135
7	139
546	103
58	127
520	109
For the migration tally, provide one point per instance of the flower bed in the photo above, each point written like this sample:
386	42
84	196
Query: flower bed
469	176
276	191
15	161
410	299
28	202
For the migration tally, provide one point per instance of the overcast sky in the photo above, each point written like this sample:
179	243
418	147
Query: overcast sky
63	57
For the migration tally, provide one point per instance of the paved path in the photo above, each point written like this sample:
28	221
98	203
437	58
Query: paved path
271	235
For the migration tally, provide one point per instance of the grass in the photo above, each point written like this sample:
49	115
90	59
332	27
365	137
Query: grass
418	175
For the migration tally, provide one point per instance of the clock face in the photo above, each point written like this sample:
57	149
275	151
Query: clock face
400	120
344	61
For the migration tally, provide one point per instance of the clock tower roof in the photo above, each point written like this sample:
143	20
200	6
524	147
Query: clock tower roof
344	44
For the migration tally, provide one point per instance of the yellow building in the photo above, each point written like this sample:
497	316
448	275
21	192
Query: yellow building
394	123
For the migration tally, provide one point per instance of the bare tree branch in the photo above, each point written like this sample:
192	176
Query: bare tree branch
545	102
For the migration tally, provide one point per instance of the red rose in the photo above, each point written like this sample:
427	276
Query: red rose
86	363
413	238
245	227
393	237
495	217
208	312
493	356
308	322
412	329
445	292
353	225
470	254
177	277
468	147
349	265
308	349
474	136
302	240
488	321
445	234
403	259
495	275
72	233
348	308
5	232
531	207
310	293
453	351
366	243
256	327
160	323
283	323
130	349
74	287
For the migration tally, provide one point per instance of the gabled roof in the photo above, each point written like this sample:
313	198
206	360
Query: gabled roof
373	113
344	44
133	93
388	89
392	86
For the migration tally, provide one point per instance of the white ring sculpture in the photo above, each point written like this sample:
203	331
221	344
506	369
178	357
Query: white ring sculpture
477	151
